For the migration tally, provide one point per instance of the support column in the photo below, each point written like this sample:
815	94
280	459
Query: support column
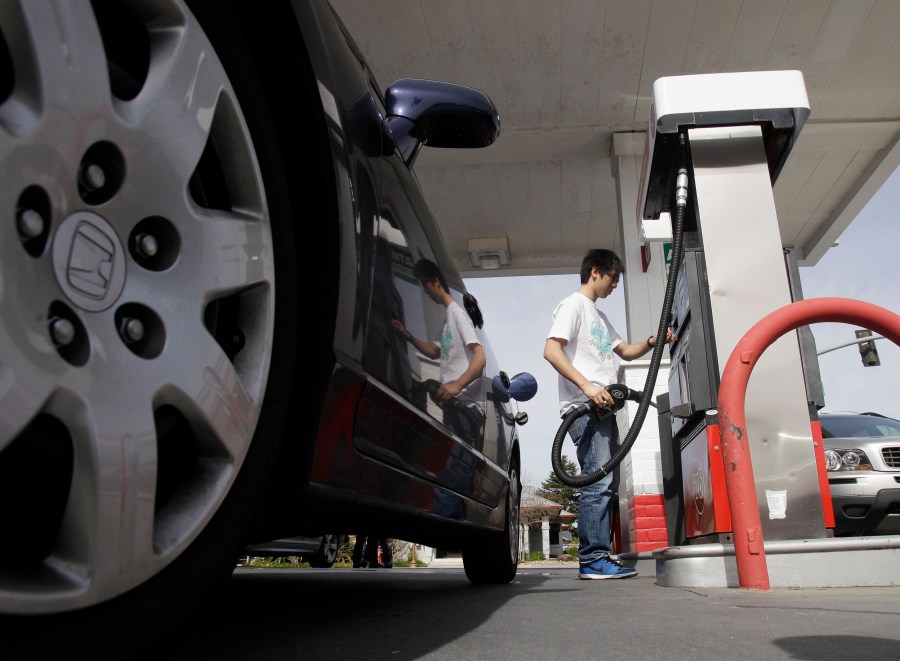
641	501
545	536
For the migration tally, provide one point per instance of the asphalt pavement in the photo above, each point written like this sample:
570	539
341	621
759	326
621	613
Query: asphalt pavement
545	613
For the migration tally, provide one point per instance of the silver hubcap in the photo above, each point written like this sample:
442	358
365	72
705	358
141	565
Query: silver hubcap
136	310
514	531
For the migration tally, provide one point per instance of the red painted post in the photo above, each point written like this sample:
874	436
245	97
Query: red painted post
749	548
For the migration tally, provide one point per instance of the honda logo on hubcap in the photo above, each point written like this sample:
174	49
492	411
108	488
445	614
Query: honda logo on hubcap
89	261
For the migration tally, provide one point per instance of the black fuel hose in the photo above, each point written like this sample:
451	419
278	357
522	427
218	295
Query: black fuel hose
647	393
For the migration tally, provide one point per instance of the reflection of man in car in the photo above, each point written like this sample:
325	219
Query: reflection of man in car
461	391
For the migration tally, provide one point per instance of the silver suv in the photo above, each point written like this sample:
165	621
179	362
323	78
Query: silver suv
862	455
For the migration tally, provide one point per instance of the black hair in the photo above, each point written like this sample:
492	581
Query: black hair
606	261
425	271
471	305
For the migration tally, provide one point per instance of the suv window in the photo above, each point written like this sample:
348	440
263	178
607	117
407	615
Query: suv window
859	426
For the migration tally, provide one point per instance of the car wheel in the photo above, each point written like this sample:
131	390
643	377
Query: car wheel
138	315
327	553
495	558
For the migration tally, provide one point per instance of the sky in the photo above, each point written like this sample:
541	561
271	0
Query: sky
865	266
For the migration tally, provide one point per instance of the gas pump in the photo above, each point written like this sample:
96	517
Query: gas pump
739	129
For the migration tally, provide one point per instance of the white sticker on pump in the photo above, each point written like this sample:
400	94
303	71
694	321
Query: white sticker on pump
777	503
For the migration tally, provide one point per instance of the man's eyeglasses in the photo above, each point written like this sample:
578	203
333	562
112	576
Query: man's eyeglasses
615	277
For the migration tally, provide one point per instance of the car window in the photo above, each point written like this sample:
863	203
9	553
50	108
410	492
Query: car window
376	91
859	426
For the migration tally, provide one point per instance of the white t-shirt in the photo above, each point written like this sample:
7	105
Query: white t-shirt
591	340
458	333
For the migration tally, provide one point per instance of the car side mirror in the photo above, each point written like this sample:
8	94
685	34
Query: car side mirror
438	114
522	387
504	379
500	385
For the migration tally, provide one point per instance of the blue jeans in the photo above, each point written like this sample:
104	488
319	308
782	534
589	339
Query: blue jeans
595	443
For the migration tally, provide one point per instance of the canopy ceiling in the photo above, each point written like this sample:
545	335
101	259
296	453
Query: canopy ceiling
566	76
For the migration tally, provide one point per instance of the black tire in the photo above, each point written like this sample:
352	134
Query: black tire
494	558
212	462
327	554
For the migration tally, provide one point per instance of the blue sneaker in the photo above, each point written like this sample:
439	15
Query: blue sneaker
605	567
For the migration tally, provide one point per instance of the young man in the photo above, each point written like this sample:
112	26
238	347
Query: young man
580	346
461	354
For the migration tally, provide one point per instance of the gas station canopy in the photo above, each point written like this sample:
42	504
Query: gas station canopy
568	77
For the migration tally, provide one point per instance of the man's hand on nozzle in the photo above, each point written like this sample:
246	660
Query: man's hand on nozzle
448	390
598	395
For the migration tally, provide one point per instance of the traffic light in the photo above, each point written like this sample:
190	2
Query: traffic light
867	350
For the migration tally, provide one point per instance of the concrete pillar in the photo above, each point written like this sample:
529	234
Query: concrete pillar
645	281
641	501
545	536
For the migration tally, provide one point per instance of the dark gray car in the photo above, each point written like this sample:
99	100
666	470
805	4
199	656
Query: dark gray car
320	552
212	228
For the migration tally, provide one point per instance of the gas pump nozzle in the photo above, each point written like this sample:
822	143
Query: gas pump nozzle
621	394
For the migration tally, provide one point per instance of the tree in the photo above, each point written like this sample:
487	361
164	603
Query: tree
554	489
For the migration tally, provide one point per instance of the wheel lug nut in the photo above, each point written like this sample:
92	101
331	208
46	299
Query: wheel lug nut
93	177
146	245
132	330
30	223
62	331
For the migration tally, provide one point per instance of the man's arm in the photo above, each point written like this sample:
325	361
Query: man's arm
429	349
554	354
473	371
627	351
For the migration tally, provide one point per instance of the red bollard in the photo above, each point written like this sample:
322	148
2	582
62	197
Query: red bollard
749	549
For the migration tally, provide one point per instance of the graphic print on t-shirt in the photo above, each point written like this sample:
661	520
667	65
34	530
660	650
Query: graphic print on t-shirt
600	338
446	341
